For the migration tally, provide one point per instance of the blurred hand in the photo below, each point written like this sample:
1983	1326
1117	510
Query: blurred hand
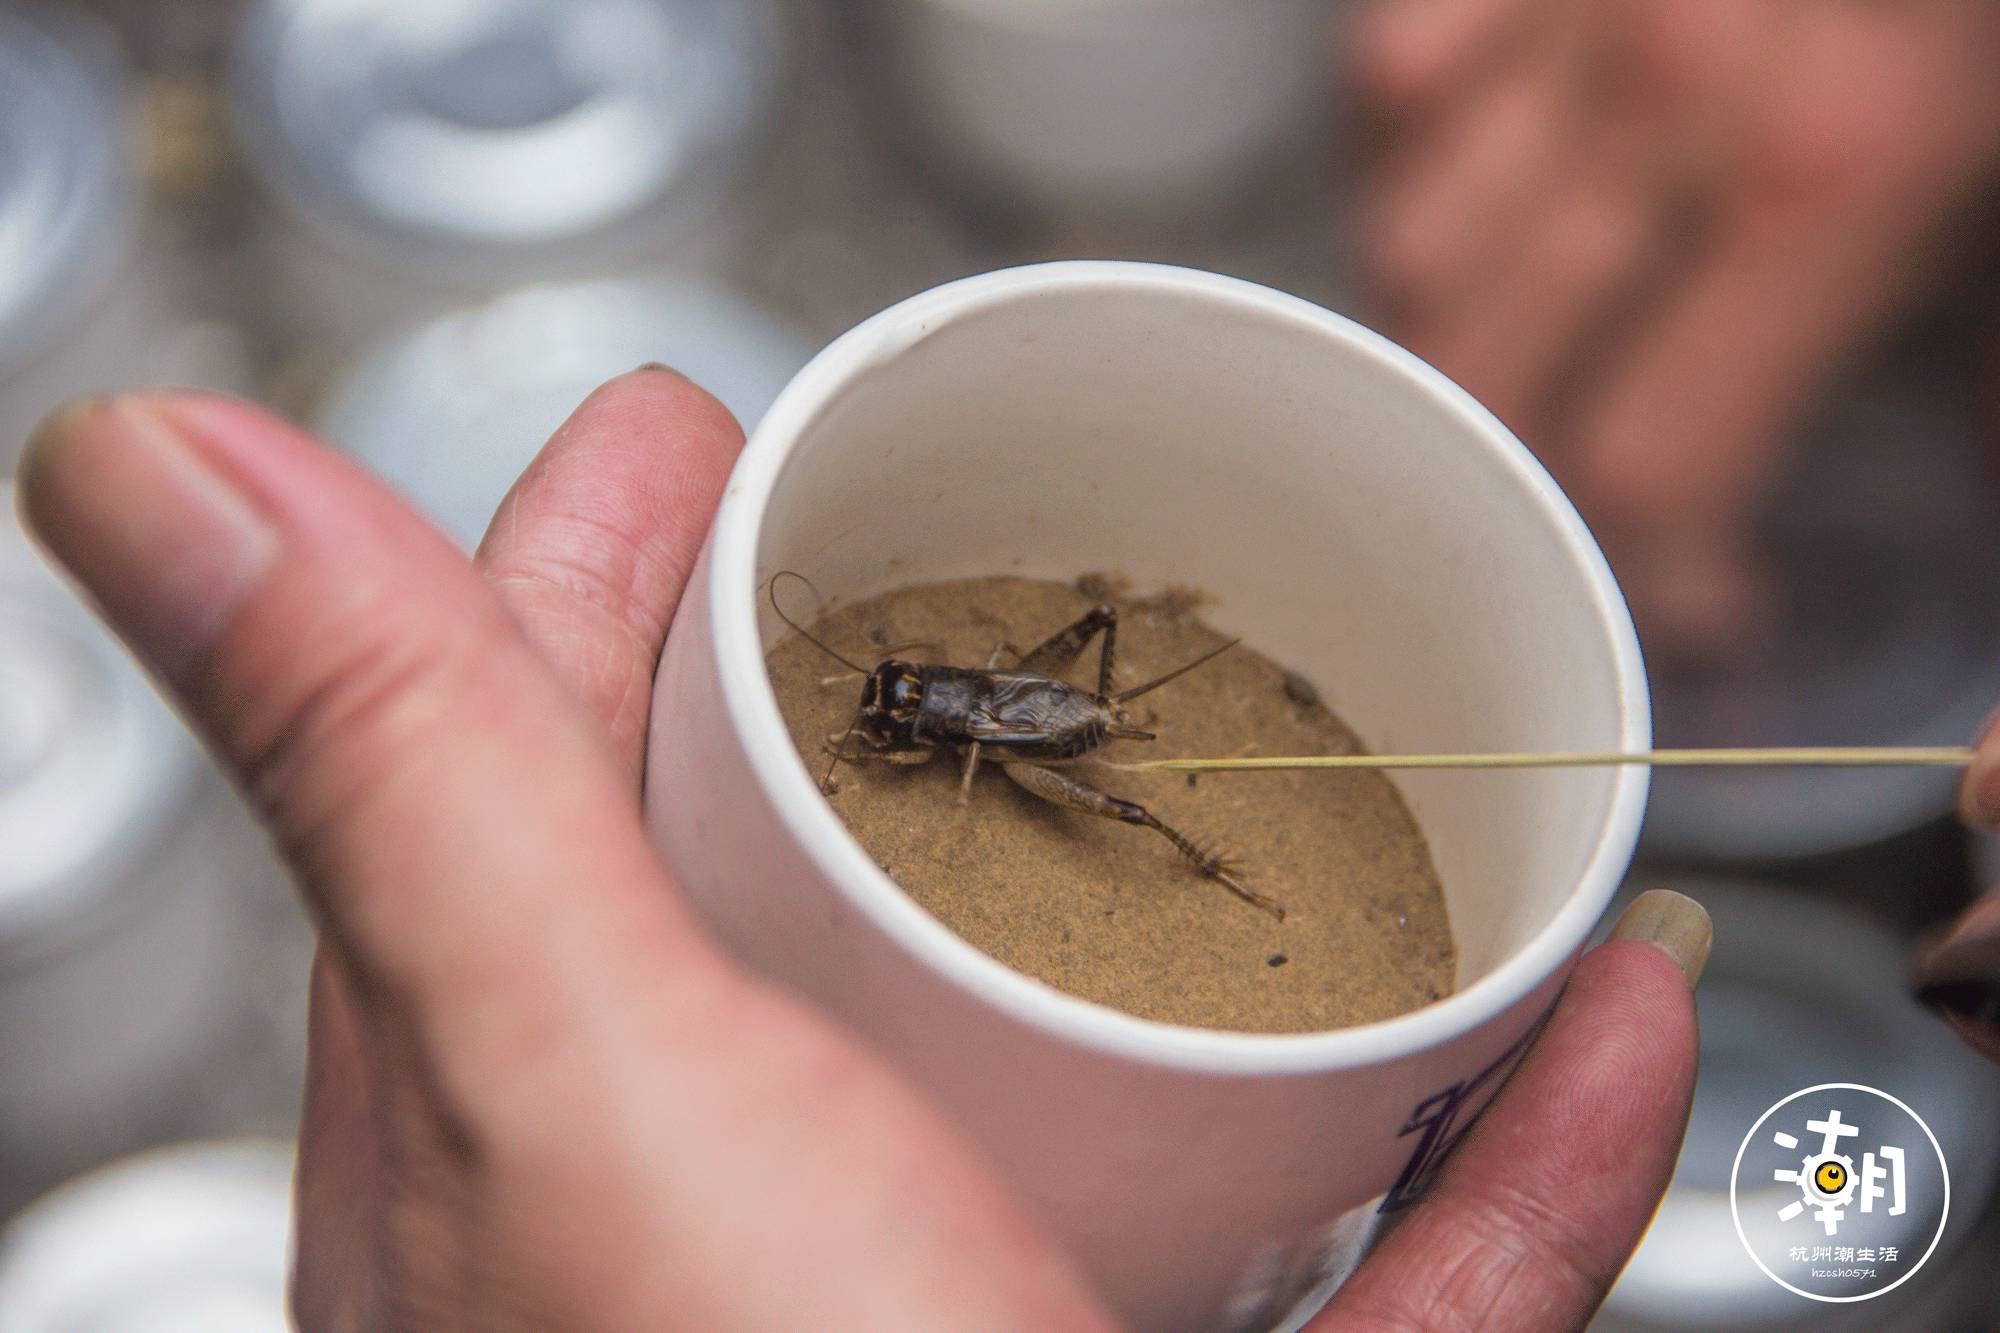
538	1096
1647	232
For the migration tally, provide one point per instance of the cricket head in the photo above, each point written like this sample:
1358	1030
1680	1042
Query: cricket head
890	700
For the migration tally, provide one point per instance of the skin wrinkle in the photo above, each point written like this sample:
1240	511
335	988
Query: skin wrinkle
1500	1286
1523	1224
610	669
560	578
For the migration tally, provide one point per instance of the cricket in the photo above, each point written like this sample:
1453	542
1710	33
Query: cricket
1021	718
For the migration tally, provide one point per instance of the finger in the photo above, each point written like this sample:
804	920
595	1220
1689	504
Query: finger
1536	1213
458	826
1515	331
593	546
1411	52
1447	206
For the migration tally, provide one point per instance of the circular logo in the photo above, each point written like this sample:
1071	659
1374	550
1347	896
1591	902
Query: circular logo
1840	1192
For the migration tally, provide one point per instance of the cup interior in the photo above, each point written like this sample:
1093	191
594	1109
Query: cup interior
1351	513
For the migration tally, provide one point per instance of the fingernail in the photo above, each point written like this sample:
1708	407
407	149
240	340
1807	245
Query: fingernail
162	540
1979	789
660	367
1673	923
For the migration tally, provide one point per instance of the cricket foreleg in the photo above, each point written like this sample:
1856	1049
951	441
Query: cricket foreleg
917	755
836	748
1063	790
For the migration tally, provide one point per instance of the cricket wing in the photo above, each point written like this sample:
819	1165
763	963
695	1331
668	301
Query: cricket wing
1028	714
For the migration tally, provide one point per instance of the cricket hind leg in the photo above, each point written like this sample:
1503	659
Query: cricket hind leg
1065	791
1054	656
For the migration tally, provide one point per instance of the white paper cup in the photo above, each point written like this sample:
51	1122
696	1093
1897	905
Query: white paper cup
1355	516
1164	107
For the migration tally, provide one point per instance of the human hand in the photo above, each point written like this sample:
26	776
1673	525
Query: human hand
537	1095
1647	234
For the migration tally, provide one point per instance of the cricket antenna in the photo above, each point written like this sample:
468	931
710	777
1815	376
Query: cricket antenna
1158	681
799	629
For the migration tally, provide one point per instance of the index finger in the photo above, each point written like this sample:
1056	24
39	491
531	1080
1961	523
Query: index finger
593	546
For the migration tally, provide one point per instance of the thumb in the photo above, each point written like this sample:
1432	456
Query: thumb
457	825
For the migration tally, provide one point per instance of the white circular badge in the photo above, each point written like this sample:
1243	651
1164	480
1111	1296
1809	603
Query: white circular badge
1840	1192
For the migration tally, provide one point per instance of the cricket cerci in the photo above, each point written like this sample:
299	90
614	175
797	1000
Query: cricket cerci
1020	718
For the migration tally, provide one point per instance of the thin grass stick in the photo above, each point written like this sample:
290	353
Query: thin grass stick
1940	756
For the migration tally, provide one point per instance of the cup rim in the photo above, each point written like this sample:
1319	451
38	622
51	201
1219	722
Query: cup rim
750	704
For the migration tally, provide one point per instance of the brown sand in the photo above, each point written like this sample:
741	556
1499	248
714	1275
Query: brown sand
1108	911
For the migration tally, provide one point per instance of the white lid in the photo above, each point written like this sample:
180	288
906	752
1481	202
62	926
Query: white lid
91	760
66	199
453	411
477	133
191	1239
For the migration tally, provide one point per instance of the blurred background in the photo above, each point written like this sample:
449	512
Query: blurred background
1730	270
